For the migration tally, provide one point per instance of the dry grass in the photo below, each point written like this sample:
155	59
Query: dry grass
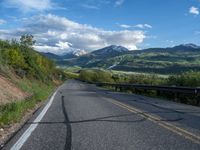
9	92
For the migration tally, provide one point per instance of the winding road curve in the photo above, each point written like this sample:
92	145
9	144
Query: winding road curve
80	116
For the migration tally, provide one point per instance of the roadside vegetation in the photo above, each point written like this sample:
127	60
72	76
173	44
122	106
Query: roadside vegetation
29	71
188	79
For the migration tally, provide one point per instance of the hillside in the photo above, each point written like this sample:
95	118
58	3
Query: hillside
26	79
93	57
176	59
9	92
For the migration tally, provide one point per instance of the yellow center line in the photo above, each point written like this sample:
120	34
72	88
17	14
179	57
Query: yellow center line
182	132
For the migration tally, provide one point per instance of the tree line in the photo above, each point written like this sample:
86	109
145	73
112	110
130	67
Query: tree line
21	57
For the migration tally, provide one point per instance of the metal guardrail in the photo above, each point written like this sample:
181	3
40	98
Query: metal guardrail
193	93
173	89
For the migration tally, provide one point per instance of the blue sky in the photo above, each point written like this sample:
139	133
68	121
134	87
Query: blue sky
85	25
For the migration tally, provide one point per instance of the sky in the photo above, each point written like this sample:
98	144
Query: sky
61	26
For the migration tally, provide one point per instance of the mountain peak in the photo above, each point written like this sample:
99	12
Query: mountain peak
111	49
187	46
191	45
116	48
76	52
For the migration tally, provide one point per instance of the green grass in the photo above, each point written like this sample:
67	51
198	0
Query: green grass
13	112
71	75
31	72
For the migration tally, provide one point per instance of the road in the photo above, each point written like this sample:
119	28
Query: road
80	116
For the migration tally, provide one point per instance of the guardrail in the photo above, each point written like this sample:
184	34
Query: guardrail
176	91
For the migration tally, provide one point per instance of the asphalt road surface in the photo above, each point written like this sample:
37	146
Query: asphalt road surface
80	116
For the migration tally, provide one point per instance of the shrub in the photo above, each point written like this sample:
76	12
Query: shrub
95	76
191	78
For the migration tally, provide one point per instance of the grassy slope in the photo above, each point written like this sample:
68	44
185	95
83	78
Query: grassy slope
160	62
13	112
149	61
29	71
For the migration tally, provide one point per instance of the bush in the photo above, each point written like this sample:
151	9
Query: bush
185	79
146	79
14	58
96	76
25	61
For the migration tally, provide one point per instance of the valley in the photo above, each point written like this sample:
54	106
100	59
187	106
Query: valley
173	60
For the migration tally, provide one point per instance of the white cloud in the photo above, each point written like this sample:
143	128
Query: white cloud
89	6
125	26
169	41
28	5
118	3
143	26
63	45
58	34
2	21
194	10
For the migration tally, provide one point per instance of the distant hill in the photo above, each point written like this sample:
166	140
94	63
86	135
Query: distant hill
110	51
81	58
51	56
175	59
67	55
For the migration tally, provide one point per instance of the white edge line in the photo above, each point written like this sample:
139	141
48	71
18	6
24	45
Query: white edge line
32	127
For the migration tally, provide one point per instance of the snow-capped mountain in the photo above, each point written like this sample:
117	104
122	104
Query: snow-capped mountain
78	52
110	49
66	55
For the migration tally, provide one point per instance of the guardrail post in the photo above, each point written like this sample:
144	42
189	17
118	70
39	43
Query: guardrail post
120	89
116	88
197	93
158	93
198	100
176	95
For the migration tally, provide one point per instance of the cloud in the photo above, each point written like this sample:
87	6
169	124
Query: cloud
29	5
59	34
2	21
169	41
194	10
89	6
125	26
118	3
143	26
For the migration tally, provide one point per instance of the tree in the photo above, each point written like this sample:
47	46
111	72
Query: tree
14	58
27	40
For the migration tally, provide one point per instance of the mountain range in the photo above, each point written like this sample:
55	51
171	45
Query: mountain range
175	59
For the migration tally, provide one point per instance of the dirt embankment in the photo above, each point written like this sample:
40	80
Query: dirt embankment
10	92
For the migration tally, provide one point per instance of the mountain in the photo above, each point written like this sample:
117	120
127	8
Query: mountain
77	52
168	60
51	56
189	46
94	57
110	50
68	55
181	47
82	58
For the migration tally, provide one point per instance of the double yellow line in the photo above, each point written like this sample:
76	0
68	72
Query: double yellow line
188	135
